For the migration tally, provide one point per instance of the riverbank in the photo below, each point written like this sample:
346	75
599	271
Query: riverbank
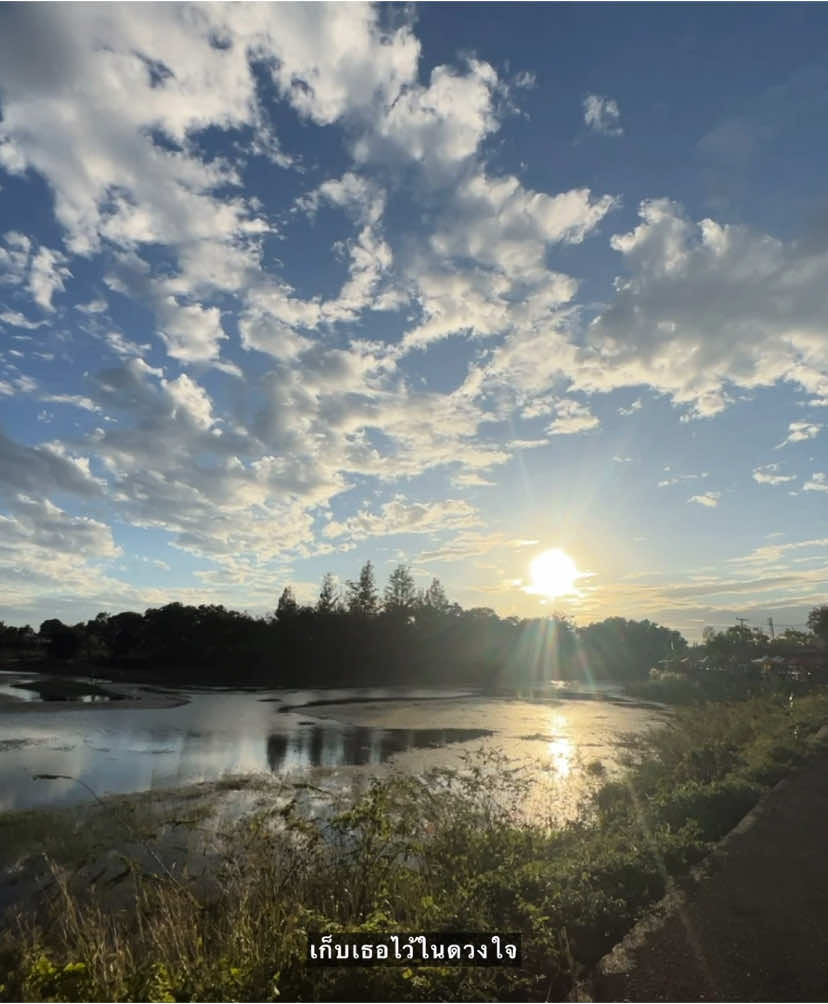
30	693
449	853
751	925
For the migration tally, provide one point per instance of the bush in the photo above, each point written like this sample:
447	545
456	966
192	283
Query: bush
451	852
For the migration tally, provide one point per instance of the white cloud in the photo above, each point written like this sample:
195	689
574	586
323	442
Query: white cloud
77	400
471	480
41	270
572	417
399	516
437	126
767	475
818	483
705	306
93	307
798	432
708	499
192	333
602	115
17	320
46	276
676	479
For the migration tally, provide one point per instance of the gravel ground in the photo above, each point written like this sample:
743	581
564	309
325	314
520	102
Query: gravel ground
755	927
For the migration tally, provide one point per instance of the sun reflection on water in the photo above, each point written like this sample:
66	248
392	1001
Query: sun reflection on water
561	754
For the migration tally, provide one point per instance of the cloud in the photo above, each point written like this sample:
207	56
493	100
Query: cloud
708	499
40	523
572	417
399	516
46	276
192	333
76	400
767	475
703	307
818	483
678	478
602	115
41	270
637	405
46	469
798	432
471	480
484	269
17	320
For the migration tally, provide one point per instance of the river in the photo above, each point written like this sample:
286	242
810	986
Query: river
335	737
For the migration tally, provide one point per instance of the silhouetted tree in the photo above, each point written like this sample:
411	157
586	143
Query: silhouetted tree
328	602
287	605
818	622
434	598
64	641
401	592
363	598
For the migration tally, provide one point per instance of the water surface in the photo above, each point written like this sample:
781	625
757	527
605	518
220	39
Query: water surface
334	736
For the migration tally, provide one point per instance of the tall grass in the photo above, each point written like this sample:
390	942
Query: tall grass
451	852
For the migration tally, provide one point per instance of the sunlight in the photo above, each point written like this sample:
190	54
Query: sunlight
553	574
561	753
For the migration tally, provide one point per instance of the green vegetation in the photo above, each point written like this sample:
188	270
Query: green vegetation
451	852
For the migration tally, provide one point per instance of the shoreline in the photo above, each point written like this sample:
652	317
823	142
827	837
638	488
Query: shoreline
130	697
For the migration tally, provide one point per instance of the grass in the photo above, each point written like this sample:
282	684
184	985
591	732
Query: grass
452	852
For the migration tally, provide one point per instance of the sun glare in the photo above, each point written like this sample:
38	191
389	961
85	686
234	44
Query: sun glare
553	574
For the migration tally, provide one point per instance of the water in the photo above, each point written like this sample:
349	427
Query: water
331	736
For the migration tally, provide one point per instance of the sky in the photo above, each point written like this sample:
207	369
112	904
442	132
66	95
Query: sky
285	288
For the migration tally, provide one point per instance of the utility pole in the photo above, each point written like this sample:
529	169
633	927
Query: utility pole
742	621
770	625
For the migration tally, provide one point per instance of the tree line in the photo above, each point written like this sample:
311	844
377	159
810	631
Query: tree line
355	636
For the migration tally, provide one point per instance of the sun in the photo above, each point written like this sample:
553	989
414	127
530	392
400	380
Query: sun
553	574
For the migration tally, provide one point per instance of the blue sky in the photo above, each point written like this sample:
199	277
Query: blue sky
287	287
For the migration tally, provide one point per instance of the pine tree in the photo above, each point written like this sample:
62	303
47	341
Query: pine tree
287	606
328	602
400	593
435	597
363	598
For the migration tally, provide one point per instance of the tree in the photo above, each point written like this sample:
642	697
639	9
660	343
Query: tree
400	593
435	599
818	622
287	606
328	602
363	598
64	641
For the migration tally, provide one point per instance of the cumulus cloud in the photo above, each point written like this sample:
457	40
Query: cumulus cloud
704	307
602	115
